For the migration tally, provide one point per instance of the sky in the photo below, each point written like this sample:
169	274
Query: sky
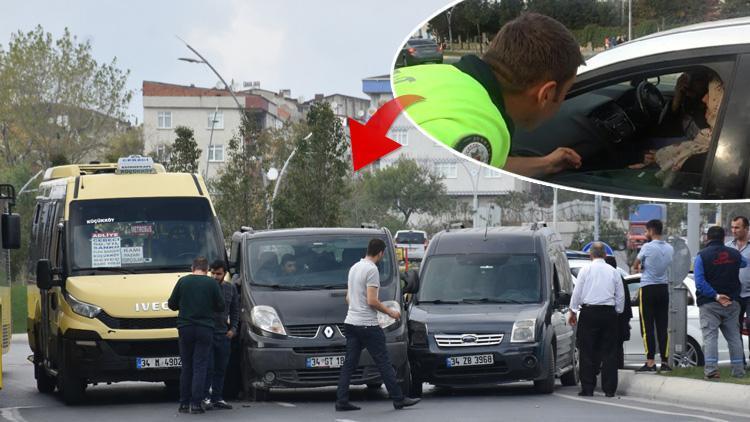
308	46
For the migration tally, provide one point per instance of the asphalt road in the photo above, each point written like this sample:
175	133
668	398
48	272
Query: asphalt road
19	402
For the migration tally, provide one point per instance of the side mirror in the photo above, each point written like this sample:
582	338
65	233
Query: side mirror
44	274
234	253
10	224
563	299
411	278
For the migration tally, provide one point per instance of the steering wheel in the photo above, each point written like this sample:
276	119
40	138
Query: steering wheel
650	100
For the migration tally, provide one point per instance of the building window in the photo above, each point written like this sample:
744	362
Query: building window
217	119
216	153
447	170
161	153
400	135
491	173
164	120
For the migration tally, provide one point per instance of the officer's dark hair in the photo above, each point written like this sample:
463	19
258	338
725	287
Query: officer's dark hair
715	233
375	247
200	263
655	225
533	48
219	263
287	258
744	220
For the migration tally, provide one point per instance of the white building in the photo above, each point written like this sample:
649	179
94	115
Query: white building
462	177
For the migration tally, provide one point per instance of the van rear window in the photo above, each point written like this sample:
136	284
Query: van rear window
410	238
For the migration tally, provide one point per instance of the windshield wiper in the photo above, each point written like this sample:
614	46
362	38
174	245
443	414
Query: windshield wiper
489	300
278	286
440	302
328	287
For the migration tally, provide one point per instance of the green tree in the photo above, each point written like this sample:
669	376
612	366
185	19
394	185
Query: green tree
129	142
56	99
185	153
315	184
513	205
735	8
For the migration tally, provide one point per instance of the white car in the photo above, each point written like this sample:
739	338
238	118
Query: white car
634	348
414	241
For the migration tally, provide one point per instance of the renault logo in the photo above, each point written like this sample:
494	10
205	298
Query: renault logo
328	331
469	338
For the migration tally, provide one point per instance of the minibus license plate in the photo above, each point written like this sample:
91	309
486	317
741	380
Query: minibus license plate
158	363
473	360
325	362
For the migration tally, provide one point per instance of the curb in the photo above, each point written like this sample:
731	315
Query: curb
684	391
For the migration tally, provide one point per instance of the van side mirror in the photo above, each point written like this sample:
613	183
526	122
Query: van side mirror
563	299
10	224
44	274
411	278
234	253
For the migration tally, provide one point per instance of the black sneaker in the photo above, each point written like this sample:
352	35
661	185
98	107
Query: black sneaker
221	404
345	407
196	409
585	394
405	402
665	368
184	408
646	369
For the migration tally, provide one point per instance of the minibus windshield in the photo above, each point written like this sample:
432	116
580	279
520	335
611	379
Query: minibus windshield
481	278
311	262
142	234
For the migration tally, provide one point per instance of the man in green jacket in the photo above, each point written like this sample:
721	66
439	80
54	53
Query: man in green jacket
196	297
474	105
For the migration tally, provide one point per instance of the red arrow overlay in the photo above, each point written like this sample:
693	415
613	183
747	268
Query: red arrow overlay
369	141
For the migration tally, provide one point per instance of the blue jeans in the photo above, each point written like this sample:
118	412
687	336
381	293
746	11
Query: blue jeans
371	338
195	344
218	358
714	317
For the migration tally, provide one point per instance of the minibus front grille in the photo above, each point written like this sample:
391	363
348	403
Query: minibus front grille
327	350
136	323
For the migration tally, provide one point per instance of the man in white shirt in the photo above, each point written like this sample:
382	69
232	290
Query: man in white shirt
362	330
599	296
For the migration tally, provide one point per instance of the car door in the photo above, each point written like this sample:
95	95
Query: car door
565	334
633	348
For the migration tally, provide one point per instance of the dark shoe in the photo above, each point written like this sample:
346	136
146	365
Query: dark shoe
196	410
221	404
665	368
405	402
645	368
609	394
585	394
712	376
206	405
346	407
184	408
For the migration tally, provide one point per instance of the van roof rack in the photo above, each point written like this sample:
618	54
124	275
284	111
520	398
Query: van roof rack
246	229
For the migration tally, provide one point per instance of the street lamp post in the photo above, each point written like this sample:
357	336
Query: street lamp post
475	186
273	174
204	61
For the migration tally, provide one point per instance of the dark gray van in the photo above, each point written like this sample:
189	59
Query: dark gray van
293	285
489	306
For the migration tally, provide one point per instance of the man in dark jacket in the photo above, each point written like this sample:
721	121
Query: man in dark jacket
225	328
196	296
717	282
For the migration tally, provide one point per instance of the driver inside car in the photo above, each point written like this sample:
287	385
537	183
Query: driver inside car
671	158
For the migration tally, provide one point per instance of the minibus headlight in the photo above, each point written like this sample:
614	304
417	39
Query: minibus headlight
385	320
266	318
82	308
524	331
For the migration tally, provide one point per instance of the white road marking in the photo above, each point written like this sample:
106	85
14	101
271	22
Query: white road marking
682	406
284	404
12	414
345	420
642	409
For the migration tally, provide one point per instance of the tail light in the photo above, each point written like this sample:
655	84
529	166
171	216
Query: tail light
412	50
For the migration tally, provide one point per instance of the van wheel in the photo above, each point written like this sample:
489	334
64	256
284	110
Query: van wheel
571	377
546	385
71	387
44	383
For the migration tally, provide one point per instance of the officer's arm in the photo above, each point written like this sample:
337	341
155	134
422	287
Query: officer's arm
174	299
575	298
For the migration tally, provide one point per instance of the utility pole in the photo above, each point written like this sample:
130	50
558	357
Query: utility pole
450	30
554	209
597	216
630	20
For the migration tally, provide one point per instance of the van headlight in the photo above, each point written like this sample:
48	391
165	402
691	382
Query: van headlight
524	331
82	308
384	320
266	318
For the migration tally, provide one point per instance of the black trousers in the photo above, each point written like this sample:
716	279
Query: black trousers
598	341
654	309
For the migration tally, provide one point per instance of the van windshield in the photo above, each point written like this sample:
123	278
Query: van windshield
481	278
142	234
311	262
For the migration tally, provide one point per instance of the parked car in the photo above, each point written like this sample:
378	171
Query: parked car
413	241
292	317
619	107
419	51
488	307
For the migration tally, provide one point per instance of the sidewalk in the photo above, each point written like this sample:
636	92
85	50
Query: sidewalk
684	391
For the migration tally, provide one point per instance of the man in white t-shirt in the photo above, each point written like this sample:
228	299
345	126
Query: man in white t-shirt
363	332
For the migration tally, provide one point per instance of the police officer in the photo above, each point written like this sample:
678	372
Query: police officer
600	297
474	105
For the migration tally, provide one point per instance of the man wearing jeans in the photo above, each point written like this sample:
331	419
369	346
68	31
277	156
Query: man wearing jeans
740	229
717	282
363	332
196	297
225	328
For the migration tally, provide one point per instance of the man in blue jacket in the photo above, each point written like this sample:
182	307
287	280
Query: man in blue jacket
717	280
